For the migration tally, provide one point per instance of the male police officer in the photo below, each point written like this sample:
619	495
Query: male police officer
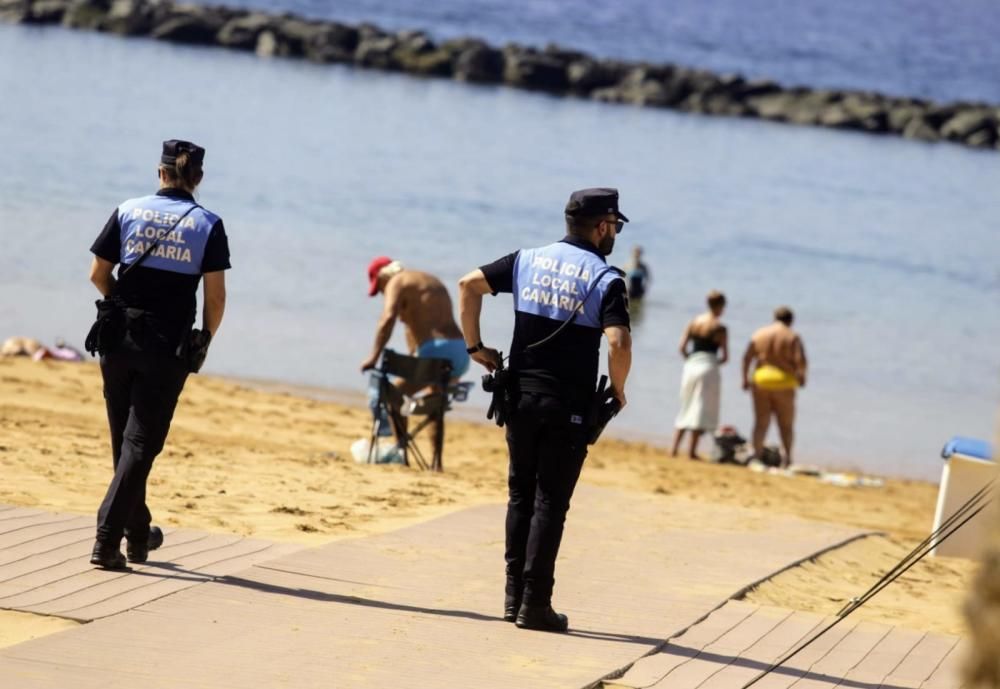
552	385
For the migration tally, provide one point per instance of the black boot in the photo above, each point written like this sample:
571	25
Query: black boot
138	551
513	592
541	617
511	604
108	557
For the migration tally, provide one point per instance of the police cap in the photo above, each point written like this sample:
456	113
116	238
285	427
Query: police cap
596	201
174	147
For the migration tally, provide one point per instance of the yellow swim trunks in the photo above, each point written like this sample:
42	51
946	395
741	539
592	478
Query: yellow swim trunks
773	378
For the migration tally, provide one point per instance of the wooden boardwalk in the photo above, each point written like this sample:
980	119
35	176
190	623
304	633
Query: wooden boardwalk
421	607
740	640
45	568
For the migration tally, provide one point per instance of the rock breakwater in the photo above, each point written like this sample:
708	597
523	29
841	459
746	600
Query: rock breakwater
552	69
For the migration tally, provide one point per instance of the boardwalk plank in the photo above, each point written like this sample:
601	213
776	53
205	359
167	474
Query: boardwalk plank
421	607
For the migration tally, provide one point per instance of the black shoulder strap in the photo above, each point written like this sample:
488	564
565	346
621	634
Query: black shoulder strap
576	311
155	242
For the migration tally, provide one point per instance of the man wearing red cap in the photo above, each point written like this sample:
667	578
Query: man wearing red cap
422	303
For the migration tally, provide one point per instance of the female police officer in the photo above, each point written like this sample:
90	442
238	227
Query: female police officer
165	244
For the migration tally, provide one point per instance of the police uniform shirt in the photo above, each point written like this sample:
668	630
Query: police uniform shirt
166	283
548	284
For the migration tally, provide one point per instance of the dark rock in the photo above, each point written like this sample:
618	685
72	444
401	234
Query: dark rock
418	54
415	42
809	106
752	89
797	106
193	27
964	124
86	14
46	11
377	52
289	37
856	111
921	128
192	24
478	62
715	104
772	106
131	17
678	84
586	74
987	137
333	42
14	11
900	114
639	87
701	81
526	68
608	94
936	115
241	33
435	63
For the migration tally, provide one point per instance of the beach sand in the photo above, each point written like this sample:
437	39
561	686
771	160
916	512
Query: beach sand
277	465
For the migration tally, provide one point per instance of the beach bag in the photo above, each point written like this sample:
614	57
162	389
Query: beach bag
728	442
770	457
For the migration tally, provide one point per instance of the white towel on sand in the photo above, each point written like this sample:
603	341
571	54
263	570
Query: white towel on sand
701	388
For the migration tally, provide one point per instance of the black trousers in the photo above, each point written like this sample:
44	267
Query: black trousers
141	389
546	438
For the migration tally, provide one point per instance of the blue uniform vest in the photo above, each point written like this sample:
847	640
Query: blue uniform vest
180	250
552	281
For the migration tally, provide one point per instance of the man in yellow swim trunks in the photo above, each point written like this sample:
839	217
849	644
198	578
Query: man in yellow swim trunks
779	368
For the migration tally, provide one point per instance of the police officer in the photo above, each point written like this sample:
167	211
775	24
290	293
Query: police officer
552	384
164	244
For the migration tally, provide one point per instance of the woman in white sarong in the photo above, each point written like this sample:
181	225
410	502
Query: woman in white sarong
704	346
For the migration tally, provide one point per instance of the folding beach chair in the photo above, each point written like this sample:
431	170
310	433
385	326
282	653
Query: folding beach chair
431	378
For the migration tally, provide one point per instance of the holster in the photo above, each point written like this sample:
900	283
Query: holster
194	348
604	407
498	384
108	329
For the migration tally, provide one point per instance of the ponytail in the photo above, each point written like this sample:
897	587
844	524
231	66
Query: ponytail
184	173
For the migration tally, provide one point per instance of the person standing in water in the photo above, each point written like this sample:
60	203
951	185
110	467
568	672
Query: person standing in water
777	359
638	275
705	347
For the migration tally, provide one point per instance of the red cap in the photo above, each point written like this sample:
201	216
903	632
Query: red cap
377	264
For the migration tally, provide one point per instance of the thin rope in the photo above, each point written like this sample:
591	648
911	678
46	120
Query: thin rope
979	497
958	514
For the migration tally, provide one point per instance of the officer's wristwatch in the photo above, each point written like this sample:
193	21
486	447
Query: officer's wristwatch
479	346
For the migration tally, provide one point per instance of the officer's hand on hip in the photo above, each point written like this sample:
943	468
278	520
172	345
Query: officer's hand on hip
620	396
368	364
488	357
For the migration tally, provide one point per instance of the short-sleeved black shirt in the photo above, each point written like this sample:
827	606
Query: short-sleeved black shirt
567	365
169	298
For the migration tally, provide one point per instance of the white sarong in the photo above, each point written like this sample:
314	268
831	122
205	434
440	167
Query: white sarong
701	387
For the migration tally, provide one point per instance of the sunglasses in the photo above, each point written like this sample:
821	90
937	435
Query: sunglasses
619	225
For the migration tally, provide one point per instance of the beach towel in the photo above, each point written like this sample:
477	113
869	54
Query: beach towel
701	387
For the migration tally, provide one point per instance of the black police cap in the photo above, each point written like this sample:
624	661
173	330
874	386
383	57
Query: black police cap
596	201
174	147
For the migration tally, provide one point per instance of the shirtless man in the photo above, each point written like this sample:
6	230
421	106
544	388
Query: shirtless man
779	368
422	303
